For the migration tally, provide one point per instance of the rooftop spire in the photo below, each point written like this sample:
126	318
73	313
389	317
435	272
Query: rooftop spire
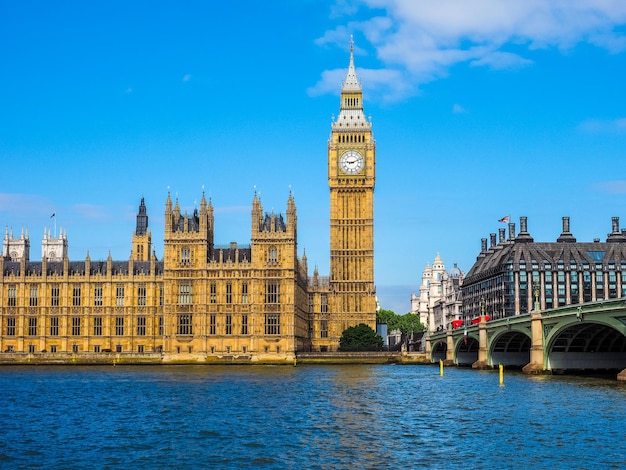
352	82
351	116
142	219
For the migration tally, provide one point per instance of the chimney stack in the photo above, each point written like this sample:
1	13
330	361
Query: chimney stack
511	230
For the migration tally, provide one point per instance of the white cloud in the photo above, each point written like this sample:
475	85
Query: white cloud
91	211
501	60
458	109
603	126
611	187
421	40
32	203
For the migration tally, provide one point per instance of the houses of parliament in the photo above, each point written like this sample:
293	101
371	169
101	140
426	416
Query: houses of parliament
202	301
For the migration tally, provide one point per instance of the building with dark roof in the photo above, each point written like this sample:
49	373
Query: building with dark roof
516	275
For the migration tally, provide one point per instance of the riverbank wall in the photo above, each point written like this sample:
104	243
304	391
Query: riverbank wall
199	359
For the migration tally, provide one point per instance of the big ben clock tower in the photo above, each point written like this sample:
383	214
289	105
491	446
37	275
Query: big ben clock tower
351	178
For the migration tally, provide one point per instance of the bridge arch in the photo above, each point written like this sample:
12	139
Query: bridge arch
466	350
510	347
580	345
438	351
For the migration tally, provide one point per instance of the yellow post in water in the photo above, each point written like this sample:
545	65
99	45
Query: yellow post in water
501	375
440	368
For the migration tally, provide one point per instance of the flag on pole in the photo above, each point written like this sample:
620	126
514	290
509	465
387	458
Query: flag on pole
504	219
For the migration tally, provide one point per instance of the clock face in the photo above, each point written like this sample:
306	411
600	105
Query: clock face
351	162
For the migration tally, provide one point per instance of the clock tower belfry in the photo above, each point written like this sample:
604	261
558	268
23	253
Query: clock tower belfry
351	178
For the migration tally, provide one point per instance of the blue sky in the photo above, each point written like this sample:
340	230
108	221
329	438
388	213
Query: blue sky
480	109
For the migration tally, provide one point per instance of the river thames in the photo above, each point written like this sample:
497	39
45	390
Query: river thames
317	417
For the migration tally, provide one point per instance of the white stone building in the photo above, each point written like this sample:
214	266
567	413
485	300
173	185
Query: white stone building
439	299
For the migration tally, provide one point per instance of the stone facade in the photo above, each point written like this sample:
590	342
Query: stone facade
204	301
439	299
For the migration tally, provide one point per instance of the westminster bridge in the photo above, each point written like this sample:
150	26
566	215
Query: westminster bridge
579	338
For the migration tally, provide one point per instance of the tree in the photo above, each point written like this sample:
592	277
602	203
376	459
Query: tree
410	323
360	338
389	318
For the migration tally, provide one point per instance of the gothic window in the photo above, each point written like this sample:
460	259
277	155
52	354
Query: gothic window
32	326
97	326
229	292
12	301
184	294
244	324
272	292
75	326
34	296
97	296
272	255
119	296
76	296
184	324
244	292
141	295
212	325
185	255
55	294
229	325
213	293
324	303
272	324
11	326
323	328
119	326
54	326
141	326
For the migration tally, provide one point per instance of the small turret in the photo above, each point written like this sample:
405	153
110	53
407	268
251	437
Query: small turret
16	249
142	238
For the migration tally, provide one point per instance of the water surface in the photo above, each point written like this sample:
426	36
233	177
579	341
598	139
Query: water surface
349	416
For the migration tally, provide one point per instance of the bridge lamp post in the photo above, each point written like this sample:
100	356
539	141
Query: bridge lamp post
536	286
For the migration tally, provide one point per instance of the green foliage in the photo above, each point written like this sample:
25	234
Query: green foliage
408	323
388	317
360	338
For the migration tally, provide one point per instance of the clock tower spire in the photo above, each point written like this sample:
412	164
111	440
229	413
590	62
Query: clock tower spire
351	179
